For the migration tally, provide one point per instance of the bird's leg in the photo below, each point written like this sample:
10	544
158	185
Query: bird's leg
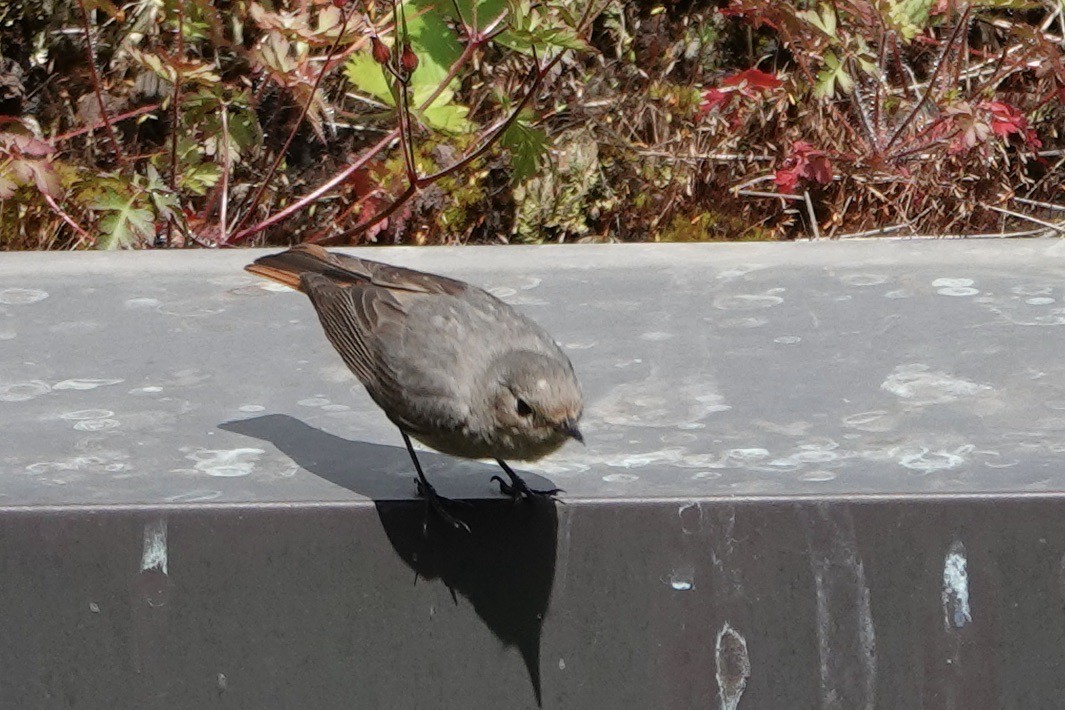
517	488
433	500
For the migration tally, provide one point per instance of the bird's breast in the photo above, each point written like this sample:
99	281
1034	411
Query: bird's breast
508	446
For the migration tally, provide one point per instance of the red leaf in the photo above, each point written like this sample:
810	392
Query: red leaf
786	179
820	170
757	19
750	82
46	178
805	162
715	99
32	147
1007	120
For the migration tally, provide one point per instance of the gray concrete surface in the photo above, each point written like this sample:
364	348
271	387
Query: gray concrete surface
817	476
710	371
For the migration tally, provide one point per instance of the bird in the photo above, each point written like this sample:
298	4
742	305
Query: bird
448	363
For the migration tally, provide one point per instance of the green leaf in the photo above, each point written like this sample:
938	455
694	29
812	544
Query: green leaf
476	13
126	224
276	53
563	37
450	118
166	203
834	74
540	26
244	130
434	43
437	49
908	17
527	146
824	21
369	77
197	179
153	63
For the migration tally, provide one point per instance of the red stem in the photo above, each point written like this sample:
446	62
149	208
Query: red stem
325	187
963	21
100	124
66	218
253	202
96	84
322	189
537	74
493	133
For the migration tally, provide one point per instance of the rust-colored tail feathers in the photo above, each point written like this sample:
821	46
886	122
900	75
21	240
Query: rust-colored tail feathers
286	267
347	271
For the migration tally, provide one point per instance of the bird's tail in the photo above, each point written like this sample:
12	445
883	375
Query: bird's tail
285	267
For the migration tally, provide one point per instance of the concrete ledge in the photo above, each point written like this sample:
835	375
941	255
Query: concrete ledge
817	475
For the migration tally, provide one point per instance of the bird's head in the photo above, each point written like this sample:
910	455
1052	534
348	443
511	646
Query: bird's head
536	400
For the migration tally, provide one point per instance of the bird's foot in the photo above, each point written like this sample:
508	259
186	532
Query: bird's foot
436	504
518	488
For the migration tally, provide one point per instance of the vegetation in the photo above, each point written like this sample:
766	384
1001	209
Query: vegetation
228	122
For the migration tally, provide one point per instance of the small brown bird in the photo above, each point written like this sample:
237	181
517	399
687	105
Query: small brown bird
449	363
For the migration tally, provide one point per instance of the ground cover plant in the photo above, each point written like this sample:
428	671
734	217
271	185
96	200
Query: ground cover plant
234	122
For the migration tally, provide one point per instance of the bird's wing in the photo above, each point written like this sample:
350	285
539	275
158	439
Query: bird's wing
357	319
350	315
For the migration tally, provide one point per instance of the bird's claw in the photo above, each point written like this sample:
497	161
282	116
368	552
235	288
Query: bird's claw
520	489
436	503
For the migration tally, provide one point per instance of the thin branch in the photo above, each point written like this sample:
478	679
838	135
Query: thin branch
322	189
227	167
812	214
963	21
175	96
356	204
400	89
376	219
406	131
1026	234
102	123
878	82
753	181
1020	215
872	131
458	14
175	110
772	195
83	235
1036	203
249	205
725	157
112	136
875	232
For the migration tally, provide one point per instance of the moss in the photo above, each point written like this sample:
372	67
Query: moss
567	196
712	227
466	198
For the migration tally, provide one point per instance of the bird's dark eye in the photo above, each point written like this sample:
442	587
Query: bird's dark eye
524	409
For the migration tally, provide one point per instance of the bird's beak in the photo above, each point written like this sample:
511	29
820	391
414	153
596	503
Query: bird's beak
570	428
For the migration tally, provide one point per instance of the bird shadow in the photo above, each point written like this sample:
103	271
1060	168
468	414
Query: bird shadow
505	565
